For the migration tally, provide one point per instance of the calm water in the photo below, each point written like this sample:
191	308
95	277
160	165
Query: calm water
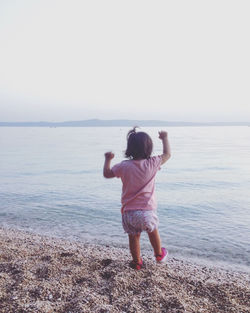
51	183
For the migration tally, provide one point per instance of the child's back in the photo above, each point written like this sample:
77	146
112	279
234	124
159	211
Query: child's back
138	178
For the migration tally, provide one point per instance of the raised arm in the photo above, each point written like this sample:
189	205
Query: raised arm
107	173
166	147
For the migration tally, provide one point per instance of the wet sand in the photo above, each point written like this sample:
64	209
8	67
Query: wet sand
43	274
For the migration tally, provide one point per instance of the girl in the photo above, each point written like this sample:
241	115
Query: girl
138	191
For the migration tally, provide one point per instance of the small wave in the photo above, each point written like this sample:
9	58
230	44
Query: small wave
58	172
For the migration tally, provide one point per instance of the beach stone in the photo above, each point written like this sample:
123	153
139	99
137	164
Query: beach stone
52	275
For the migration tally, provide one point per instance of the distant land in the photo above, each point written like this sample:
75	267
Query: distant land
118	123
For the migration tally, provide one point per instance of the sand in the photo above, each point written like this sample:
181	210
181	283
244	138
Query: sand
43	274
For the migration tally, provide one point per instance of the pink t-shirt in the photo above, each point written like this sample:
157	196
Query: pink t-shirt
138	179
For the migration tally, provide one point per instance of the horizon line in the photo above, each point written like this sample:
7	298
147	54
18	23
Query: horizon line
105	122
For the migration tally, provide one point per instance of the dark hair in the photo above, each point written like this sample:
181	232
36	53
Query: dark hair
139	145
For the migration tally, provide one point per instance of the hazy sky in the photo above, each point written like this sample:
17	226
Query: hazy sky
169	60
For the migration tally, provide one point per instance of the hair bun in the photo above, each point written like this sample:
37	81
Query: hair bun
132	131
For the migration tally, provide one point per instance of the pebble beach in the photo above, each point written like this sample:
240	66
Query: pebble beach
44	274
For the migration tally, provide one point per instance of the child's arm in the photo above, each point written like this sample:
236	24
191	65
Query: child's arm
106	168
166	147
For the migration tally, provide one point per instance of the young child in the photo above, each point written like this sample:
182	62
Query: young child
138	191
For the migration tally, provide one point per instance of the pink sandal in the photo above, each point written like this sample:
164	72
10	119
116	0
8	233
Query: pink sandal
136	265
162	258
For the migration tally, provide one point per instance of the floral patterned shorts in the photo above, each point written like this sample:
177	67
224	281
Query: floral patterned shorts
136	221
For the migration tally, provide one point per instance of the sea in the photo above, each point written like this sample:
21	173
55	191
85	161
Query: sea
51	183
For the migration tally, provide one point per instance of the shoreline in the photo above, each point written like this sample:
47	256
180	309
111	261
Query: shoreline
46	274
146	249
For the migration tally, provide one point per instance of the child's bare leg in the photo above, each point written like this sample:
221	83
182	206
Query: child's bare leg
134	245
155	240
